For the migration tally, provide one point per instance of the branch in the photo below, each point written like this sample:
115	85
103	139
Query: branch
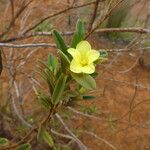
101	139
69	33
62	135
12	9
104	18
26	45
81	145
128	83
1	64
136	30
131	67
56	14
94	15
12	22
85	114
133	108
54	45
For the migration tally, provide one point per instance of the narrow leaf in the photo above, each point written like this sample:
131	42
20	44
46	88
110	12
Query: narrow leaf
48	76
60	42
43	134
103	53
59	88
79	34
52	62
3	141
64	61
88	97
85	80
64	57
26	146
44	100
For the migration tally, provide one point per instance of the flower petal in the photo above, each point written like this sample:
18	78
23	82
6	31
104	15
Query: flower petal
71	51
74	53
83	47
75	66
93	55
89	69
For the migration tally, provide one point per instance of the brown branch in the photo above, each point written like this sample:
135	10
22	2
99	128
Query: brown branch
68	33
12	9
93	16
133	29
26	45
133	98
133	108
1	64
101	139
56	14
131	67
104	18
12	22
128	83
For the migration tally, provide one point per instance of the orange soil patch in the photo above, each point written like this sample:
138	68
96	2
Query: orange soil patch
116	94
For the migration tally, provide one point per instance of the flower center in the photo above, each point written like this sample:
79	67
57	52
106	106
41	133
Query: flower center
84	62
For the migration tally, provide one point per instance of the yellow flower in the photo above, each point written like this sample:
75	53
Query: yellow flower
83	58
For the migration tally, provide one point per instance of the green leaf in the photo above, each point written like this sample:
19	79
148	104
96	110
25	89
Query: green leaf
72	93
85	80
103	53
94	75
48	76
79	34
90	110
68	94
64	61
60	42
52	62
21	128
26	146
59	71
103	56
88	97
43	134
57	147
59	88
64	57
44	100
3	141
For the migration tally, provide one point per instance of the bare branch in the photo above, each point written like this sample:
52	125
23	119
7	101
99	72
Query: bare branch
62	135
134	29
12	22
1	63
56	14
104	18
128	83
12	9
27	45
101	139
68	33
81	145
93	16
84	114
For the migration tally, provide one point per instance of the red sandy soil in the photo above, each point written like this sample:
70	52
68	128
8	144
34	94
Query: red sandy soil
116	92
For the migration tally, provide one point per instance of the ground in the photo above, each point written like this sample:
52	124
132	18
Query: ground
122	103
